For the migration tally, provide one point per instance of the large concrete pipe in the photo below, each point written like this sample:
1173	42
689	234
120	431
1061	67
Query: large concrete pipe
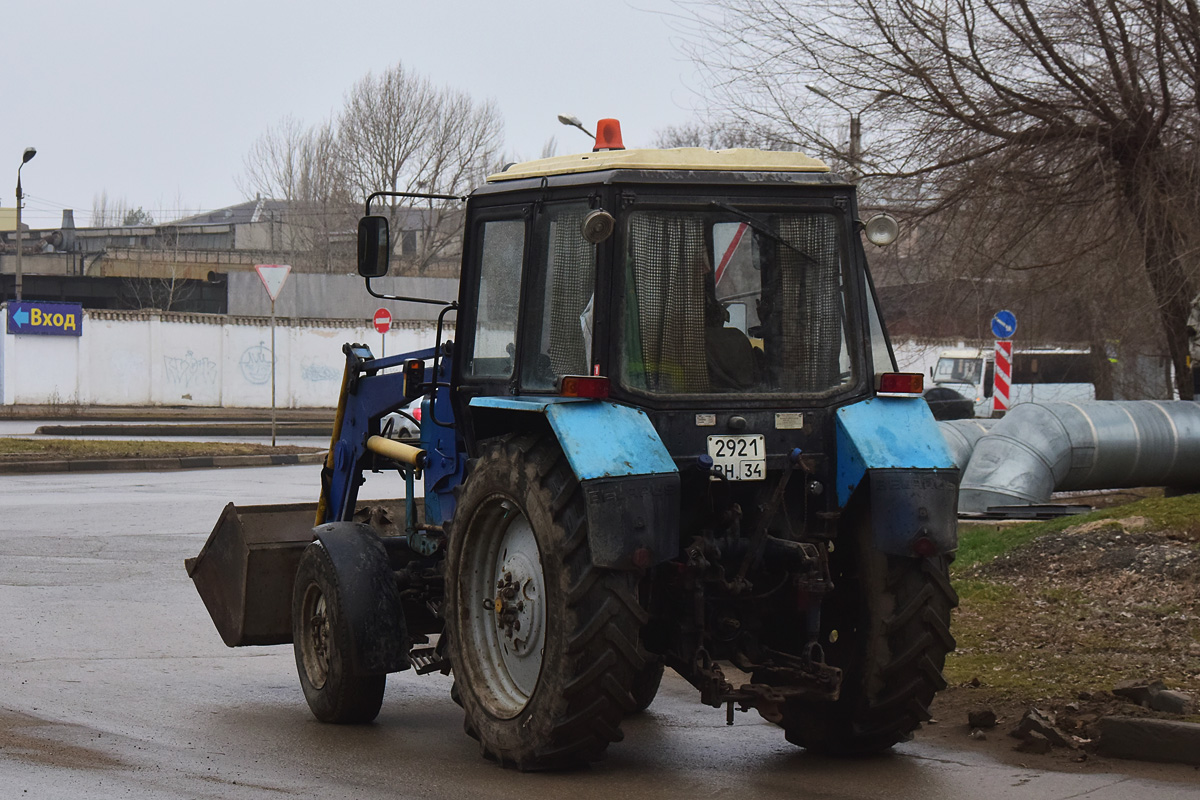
1041	448
961	436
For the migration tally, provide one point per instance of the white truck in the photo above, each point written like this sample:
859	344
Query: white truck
1049	375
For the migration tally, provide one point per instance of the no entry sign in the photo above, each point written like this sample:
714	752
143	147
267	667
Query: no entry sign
383	320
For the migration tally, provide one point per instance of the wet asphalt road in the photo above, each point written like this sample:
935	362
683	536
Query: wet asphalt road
114	683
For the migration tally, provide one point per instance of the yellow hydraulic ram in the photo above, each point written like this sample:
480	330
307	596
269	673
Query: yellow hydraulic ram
397	451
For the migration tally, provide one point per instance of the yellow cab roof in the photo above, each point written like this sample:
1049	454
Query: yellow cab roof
679	158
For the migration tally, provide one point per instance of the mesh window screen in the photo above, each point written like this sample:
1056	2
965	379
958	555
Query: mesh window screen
572	272
668	266
771	321
811	318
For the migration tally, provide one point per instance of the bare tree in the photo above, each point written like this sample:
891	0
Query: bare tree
395	132
717	133
1042	110
398	132
302	167
108	213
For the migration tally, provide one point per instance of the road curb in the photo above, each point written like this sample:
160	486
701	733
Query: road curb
186	429
158	464
1150	740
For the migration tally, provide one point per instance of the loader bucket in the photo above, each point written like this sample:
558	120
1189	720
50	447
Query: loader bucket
244	571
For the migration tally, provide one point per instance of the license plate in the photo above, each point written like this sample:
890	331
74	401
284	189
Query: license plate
739	458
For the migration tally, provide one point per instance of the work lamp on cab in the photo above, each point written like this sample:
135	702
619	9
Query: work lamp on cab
882	230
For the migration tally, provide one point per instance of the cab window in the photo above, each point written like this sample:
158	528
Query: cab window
501	252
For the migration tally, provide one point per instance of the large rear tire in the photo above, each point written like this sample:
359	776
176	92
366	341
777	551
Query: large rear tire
321	641
646	683
543	643
892	617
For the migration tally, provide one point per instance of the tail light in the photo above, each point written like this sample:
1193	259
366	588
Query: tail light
593	387
900	384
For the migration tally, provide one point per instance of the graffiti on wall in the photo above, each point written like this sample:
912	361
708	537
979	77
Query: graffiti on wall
189	370
316	373
255	364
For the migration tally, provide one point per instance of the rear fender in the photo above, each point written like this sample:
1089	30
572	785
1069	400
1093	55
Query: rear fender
629	480
894	445
369	595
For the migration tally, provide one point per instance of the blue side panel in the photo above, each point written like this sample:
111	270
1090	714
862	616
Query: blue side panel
446	462
600	439
886	433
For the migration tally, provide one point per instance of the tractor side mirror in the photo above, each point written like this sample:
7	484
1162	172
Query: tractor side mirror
374	247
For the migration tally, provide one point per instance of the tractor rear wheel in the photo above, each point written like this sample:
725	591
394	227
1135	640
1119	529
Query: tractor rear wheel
891	615
544	644
646	683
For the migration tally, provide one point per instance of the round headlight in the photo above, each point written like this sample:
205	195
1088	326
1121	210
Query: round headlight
882	230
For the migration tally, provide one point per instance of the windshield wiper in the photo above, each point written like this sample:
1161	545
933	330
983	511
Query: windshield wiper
761	227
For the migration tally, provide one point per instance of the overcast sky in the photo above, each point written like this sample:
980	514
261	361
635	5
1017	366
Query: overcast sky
156	103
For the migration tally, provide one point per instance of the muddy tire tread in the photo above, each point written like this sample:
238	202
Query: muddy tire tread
589	695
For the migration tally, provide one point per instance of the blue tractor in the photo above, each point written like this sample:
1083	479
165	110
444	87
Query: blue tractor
669	432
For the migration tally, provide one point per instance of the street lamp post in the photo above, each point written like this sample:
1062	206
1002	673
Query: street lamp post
854	154
574	122
29	154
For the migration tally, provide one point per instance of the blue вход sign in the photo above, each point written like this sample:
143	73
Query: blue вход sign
45	319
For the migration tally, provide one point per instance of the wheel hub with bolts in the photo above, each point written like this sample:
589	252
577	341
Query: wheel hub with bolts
314	647
518	615
520	612
510	636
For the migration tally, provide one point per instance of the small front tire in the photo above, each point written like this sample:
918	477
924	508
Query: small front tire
321	641
645	685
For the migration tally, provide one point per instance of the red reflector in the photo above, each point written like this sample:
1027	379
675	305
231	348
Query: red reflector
417	413
593	387
901	383
924	547
608	135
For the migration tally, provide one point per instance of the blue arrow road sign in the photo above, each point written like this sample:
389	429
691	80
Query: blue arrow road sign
45	319
1004	324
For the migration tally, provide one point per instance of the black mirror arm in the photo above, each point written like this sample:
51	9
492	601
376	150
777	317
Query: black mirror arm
416	195
419	196
430	301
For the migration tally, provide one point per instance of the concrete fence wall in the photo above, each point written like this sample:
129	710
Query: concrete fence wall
164	359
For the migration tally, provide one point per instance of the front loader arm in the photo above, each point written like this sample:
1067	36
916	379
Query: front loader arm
368	393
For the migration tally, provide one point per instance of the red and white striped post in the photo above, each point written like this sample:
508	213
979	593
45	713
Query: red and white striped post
1003	377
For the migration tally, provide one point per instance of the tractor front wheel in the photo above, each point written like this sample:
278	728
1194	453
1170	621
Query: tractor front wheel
321	640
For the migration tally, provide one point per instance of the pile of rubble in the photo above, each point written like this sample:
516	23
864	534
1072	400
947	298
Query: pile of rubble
1139	720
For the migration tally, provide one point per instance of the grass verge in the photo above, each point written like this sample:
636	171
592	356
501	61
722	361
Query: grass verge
12	449
1053	608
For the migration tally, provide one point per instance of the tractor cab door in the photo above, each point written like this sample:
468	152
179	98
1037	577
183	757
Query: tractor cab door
528	301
